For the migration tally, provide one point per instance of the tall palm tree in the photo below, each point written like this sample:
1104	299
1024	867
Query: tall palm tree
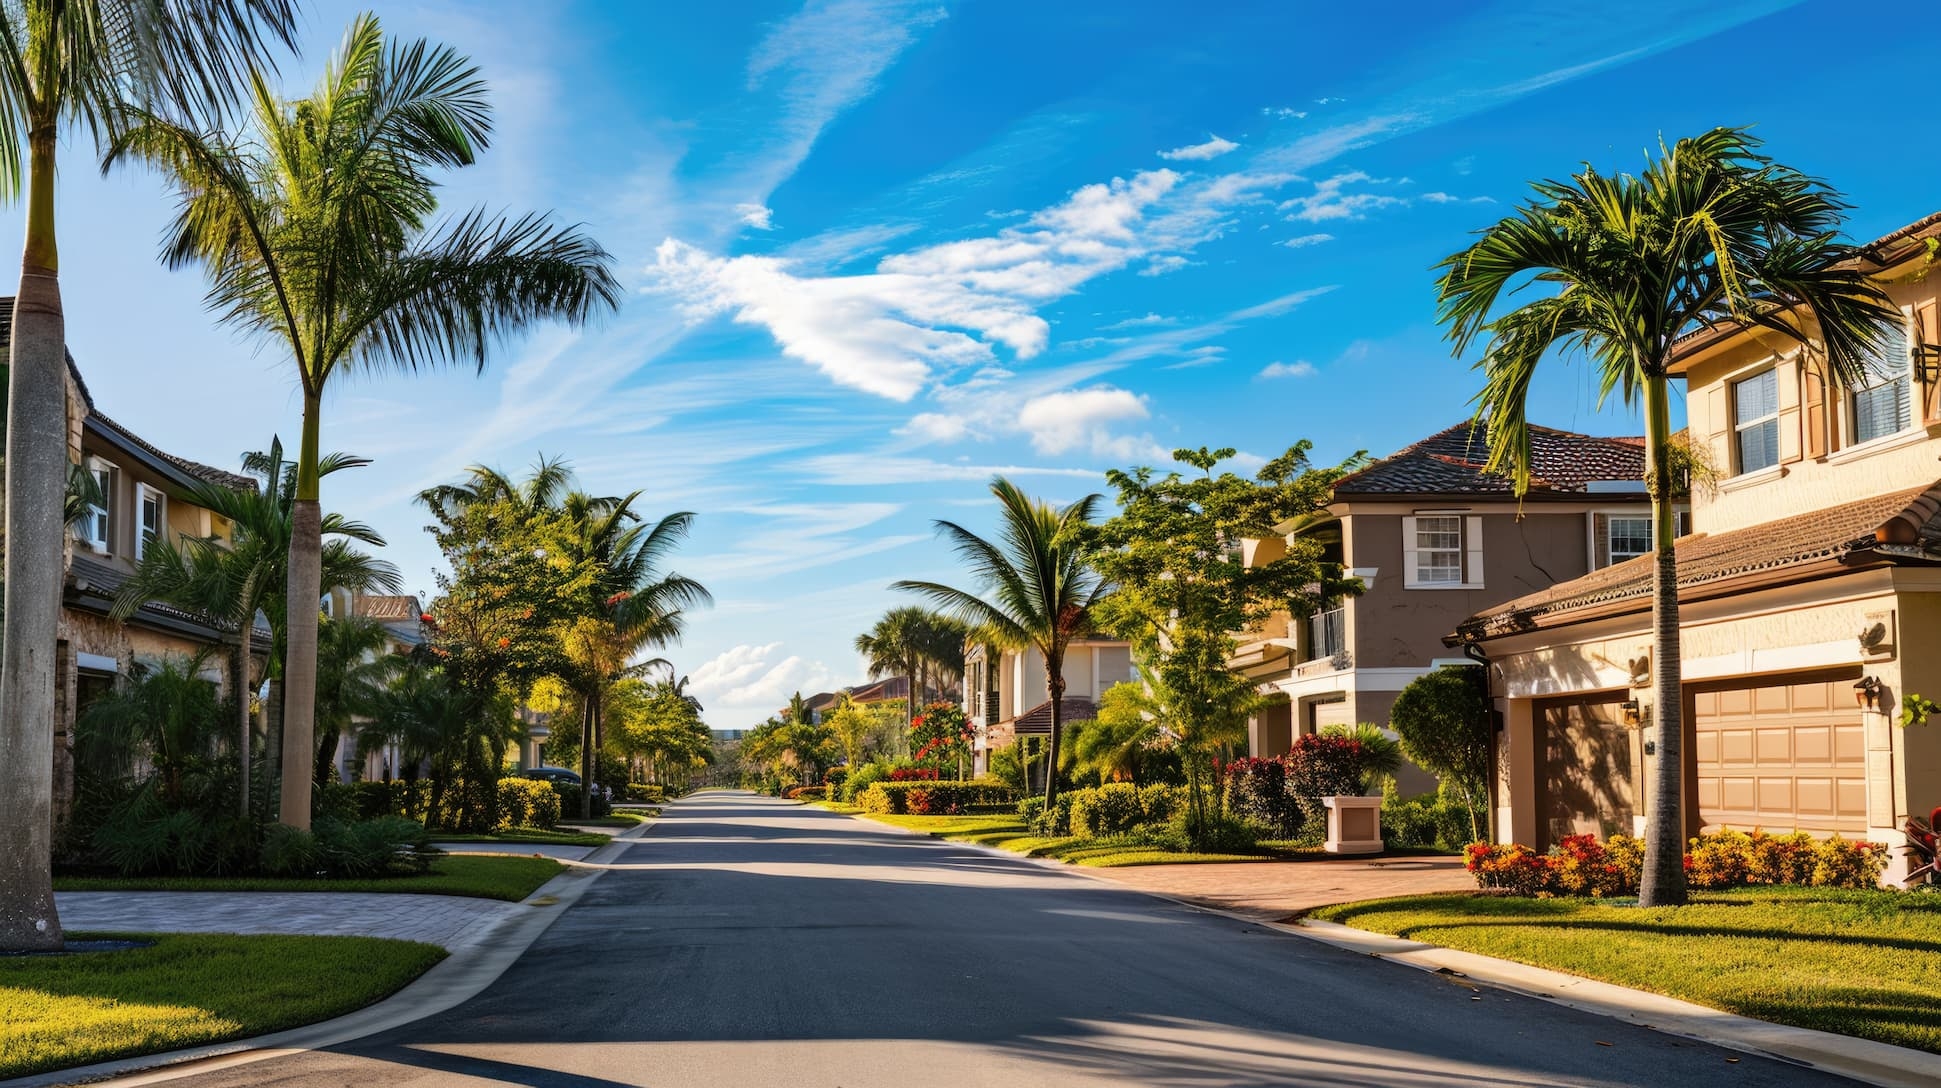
1711	233
1041	586
314	233
630	607
229	583
83	63
894	647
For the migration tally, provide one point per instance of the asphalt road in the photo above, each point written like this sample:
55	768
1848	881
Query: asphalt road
747	941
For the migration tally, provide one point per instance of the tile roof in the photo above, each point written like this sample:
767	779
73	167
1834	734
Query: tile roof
387	606
91	577
1037	720
1450	462
1852	532
896	687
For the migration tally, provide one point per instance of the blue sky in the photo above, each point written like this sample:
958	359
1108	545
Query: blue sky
878	251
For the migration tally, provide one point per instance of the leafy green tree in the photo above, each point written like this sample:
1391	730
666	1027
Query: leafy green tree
1443	720
86	64
165	714
1041	585
1125	742
314	231
354	663
1174	554
1711	234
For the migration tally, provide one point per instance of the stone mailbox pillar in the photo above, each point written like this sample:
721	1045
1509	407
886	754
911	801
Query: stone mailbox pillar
1354	825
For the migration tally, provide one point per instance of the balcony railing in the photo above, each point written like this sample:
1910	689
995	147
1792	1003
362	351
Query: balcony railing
1327	634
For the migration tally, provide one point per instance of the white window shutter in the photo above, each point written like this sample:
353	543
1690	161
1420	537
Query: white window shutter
1410	575
1472	535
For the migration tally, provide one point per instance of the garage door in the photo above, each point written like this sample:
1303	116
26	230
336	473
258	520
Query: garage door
1588	785
1782	756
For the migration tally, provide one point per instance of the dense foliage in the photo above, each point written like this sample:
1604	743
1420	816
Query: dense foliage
1443	721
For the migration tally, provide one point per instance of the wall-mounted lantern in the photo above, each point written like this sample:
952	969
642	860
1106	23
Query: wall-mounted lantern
1633	713
1866	692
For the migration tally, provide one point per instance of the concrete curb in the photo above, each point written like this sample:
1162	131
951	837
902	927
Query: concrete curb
456	979
1842	1055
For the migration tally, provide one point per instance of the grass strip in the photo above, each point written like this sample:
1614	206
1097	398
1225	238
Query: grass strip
528	836
508	878
1862	963
188	990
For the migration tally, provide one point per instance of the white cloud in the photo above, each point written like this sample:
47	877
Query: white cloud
1148	320
945	306
1081	419
1305	240
1299	368
1332	200
1329	101
1213	148
1282	113
749	682
758	216
1164	263
873	470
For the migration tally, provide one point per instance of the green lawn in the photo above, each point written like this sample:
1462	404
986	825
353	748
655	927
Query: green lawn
186	990
1859	963
621	817
508	878
528	836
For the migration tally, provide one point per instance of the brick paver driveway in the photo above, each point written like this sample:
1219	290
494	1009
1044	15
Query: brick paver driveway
451	921
1272	890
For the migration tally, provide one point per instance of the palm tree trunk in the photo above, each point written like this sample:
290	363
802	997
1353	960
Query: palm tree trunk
1055	687
305	589
272	742
1664	858
245	633
586	757
36	483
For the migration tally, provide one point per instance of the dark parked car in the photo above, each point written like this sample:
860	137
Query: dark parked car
560	776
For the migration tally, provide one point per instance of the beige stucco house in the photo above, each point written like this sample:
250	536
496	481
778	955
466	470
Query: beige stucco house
1005	697
1810	590
399	615
1435	538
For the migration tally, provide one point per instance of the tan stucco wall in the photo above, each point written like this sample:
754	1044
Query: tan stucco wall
1801	483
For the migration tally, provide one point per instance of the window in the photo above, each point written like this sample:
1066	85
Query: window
1327	634
1883	404
95	525
1618	537
1438	550
152	520
1755	421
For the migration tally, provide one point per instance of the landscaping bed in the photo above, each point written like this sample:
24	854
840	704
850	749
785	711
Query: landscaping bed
187	990
1862	963
508	878
530	835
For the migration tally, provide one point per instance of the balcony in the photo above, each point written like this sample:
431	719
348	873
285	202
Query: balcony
1327	635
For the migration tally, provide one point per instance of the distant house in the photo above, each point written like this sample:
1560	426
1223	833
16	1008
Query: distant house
1435	538
1005	696
1809	595
401	617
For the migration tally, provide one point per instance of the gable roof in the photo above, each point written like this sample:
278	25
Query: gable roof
1450	462
1899	526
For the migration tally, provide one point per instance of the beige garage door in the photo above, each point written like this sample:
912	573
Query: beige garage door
1782	756
1587	781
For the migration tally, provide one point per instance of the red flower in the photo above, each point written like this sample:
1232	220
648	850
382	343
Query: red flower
426	617
504	643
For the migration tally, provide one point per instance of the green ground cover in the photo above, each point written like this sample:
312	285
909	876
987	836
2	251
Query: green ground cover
563	836
508	878
1864	963
187	990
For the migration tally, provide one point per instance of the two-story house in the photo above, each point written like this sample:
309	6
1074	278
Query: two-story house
1810	603
1434	538
144	496
1005	697
400	615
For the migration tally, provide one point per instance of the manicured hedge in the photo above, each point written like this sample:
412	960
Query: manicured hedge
933	798
1580	865
526	802
806	793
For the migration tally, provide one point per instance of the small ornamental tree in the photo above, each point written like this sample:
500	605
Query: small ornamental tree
1173	555
940	736
1443	720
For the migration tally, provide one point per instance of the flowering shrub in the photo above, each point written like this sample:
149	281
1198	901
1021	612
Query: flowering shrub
806	793
940	735
933	798
1580	865
915	774
1256	789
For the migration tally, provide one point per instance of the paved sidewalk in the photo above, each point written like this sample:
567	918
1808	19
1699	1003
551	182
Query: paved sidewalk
1273	890
452	921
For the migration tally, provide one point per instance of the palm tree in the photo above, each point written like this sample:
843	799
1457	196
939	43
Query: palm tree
353	666
314	234
84	63
229	583
1711	233
893	648
630	607
1042	588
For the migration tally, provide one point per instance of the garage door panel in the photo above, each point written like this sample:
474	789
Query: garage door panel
1781	756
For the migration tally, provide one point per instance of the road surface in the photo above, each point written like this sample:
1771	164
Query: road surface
748	941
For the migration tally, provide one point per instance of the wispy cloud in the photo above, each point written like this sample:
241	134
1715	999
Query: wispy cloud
874	470
1299	368
758	216
1302	241
1148	321
1333	198
1213	148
